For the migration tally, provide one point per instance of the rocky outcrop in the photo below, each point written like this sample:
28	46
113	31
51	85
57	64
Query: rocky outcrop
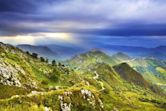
64	105
9	74
12	75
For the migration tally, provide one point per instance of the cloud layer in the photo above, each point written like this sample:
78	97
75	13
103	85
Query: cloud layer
94	17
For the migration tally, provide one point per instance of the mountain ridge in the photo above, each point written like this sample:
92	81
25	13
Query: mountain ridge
42	51
133	51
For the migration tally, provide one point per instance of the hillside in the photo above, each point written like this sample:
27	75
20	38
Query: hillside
153	70
93	56
34	85
117	90
127	73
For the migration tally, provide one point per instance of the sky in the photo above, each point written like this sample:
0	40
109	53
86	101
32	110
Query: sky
86	23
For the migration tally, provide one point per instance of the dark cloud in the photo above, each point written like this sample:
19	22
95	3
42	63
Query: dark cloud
106	17
128	30
24	6
15	6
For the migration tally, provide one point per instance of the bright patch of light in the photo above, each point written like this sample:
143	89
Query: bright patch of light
18	39
58	36
38	38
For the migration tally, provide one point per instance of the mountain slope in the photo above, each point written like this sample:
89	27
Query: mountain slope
153	70
127	73
24	78
20	69
118	90
92	56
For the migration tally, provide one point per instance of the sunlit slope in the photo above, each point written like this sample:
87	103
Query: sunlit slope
153	70
32	84
93	56
123	93
19	69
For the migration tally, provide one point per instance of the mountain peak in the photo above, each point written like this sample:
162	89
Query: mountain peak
130	75
96	51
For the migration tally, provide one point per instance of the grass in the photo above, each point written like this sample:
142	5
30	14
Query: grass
8	91
50	99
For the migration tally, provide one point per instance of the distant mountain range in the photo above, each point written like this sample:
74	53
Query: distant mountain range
65	52
52	51
157	52
43	51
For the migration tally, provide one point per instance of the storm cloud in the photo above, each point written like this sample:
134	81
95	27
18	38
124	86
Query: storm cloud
88	17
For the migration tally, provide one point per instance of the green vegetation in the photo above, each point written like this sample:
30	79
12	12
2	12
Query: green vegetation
92	81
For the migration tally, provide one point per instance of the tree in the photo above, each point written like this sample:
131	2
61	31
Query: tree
53	63
42	59
28	53
34	55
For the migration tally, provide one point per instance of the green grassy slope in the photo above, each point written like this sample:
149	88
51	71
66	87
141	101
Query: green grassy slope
93	56
97	86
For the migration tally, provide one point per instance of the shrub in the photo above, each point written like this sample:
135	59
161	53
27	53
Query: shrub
42	59
53	63
34	55
54	76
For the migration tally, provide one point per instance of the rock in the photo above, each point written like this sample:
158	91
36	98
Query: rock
60	97
9	74
86	92
64	106
47	109
12	75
